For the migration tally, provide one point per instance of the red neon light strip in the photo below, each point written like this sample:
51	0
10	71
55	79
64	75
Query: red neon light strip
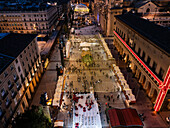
159	100
167	77
153	75
163	91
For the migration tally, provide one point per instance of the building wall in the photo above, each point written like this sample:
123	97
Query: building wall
144	48
148	7
160	18
106	14
29	21
27	68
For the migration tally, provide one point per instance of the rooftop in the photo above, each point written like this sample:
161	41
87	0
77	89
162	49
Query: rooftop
5	61
157	34
127	117
11	46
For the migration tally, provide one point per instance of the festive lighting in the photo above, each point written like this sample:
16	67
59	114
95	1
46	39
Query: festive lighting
153	75
163	85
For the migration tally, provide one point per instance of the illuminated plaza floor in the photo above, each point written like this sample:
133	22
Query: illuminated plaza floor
80	78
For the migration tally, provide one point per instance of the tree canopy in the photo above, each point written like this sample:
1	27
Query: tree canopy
32	118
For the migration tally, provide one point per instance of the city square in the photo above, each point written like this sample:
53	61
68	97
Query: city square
84	64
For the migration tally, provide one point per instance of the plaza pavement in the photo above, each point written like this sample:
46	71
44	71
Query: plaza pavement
76	69
48	81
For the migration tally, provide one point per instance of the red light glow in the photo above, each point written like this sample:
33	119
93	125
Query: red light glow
163	85
153	75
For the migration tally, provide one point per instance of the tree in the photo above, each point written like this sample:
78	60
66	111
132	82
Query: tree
32	118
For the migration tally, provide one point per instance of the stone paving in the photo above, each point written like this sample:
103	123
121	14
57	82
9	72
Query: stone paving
107	87
79	78
48	81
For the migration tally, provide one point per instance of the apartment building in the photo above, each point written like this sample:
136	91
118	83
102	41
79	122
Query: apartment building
20	71
105	13
145	47
40	19
160	18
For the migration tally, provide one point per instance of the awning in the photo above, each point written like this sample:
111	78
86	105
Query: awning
127	117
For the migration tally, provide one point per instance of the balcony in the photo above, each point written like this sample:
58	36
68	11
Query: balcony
13	95
11	86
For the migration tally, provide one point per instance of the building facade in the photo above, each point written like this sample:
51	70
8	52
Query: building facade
105	13
30	21
20	71
160	18
145	47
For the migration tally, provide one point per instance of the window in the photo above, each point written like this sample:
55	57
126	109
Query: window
5	74
139	50
7	101
17	85
11	68
15	76
19	69
16	60
21	56
0	112
154	66
28	47
3	92
9	82
26	59
23	104
161	72
24	51
22	63
148	60
143	55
